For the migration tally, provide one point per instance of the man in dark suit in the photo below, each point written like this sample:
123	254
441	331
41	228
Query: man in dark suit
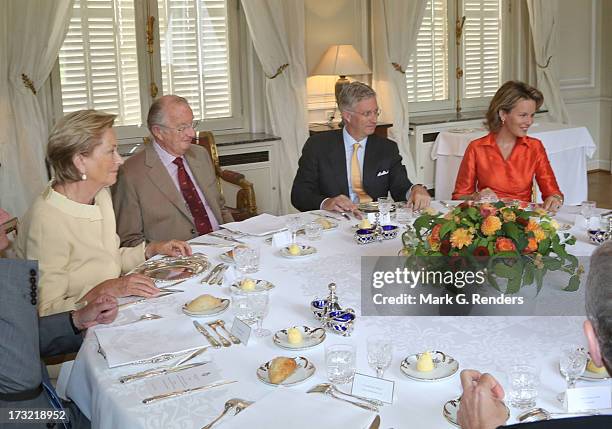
24	338
341	168
481	406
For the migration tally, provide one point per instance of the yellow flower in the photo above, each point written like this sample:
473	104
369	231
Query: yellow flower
554	224
508	215
539	234
461	237
541	212
532	225
490	225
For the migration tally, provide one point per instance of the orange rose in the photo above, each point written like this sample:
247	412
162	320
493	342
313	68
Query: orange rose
532	245
503	244
490	225
531	225
435	232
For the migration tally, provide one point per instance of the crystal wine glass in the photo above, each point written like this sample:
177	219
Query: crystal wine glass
384	207
380	353
572	364
260	305
294	223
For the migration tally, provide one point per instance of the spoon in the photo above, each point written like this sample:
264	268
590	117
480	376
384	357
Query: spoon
149	316
238	404
336	390
537	414
329	389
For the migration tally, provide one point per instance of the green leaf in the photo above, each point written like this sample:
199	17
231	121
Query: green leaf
514	284
574	284
528	273
446	228
573	261
539	278
551	264
511	230
472	212
543	246
558	248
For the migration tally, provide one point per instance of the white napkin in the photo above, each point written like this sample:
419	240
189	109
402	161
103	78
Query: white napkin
262	224
289	408
127	344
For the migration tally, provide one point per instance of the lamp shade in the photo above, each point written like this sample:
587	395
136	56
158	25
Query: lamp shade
341	60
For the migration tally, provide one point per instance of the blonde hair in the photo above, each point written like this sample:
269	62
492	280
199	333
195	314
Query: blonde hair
506	98
77	133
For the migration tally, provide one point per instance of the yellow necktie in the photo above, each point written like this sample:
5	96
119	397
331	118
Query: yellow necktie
356	177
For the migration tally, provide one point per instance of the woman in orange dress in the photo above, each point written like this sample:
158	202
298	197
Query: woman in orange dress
503	163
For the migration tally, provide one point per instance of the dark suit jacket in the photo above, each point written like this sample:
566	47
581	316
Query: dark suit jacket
24	338
147	204
322	170
590	422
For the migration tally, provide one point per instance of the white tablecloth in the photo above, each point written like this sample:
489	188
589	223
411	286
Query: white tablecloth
567	148
486	343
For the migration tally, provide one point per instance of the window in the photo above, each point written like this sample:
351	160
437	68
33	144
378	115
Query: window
431	73
102	65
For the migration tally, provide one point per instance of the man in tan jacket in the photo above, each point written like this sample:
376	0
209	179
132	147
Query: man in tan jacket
168	190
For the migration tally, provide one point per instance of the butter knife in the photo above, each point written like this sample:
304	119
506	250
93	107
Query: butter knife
225	237
210	274
220	276
166	292
183	392
209	337
159	371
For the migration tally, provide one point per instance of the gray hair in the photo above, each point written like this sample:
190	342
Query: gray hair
77	133
599	299
157	111
352	93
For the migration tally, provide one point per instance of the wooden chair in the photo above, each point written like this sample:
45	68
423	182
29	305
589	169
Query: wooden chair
246	205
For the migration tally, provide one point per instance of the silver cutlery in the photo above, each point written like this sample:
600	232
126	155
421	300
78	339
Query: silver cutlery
220	276
234	403
345	215
206	278
198	243
232	337
166	292
536	414
223	340
329	216
225	237
329	389
185	391
158	359
209	337
148	316
159	371
375	423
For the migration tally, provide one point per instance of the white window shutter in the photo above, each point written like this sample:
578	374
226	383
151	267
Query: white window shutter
195	54
98	60
482	42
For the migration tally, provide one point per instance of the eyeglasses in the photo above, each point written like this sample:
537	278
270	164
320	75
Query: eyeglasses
370	113
182	128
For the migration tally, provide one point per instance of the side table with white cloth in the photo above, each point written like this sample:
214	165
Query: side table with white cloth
567	148
488	344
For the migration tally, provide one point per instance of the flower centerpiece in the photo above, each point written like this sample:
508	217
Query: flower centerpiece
509	241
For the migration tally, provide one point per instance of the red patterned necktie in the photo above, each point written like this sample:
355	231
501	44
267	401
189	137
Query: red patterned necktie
195	204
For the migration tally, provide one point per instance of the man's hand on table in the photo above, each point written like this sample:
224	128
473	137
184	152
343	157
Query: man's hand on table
481	405
419	198
341	204
101	310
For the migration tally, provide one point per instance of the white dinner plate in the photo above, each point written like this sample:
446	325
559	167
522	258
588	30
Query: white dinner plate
449	411
310	337
259	286
305	251
305	369
212	312
444	366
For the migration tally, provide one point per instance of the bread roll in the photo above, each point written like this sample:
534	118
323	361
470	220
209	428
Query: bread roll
280	369
203	303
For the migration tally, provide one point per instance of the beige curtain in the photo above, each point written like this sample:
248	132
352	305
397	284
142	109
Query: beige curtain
32	32
544	24
395	24
277	30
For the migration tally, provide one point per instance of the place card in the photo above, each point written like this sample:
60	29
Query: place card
281	239
241	330
588	398
187	379
373	388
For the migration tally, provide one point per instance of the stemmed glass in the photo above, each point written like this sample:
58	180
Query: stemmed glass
260	305
294	223
380	354
572	364
384	207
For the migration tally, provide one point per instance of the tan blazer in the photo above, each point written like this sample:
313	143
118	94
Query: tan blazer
148	206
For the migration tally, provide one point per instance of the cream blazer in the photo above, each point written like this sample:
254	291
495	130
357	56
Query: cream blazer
76	245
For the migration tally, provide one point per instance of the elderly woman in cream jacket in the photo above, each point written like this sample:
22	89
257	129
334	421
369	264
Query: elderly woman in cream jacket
70	228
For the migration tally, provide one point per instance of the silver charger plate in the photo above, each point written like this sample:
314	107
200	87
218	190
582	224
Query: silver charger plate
372	207
305	251
212	312
449	411
259	286
172	268
305	370
445	366
311	337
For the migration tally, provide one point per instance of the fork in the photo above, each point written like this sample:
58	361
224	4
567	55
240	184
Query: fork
206	278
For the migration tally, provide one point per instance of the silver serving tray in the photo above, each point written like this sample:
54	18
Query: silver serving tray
173	268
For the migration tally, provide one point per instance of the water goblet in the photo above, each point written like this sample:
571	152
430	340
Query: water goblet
380	353
572	365
384	207
246	259
260	304
340	361
313	230
523	385
294	223
587	209
241	304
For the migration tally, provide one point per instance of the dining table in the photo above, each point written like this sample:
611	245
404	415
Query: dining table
486	343
567	147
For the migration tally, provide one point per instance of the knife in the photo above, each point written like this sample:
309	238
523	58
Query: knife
225	237
213	271
182	392
159	371
166	292
376	423
209	337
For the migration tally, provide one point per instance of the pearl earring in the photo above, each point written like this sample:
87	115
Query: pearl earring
83	176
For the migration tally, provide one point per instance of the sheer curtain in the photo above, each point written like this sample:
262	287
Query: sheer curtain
544	21
395	24
30	39
277	30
